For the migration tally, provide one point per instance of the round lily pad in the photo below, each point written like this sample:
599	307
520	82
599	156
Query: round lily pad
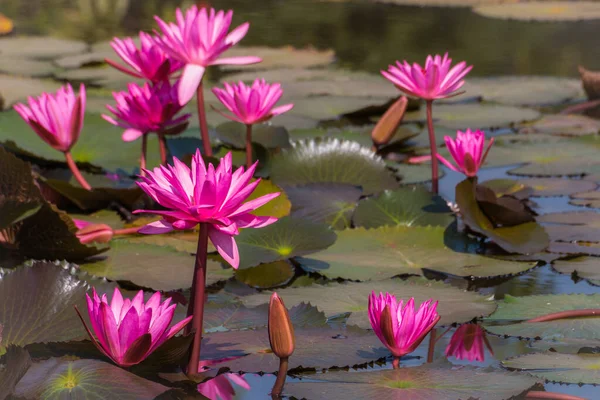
269	136
266	276
587	199
556	367
584	267
39	47
409	174
26	67
282	57
14	89
542	11
375	254
330	107
454	305
572	226
332	160
557	187
562	125
104	76
410	206
513	309
278	207
508	187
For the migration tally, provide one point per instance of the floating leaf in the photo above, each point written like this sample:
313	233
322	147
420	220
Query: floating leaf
330	107
411	206
587	199
282	57
330	203
269	136
556	367
40	47
508	187
333	161
542	11
562	124
26	67
16	89
455	305
278	207
557	187
410	174
584	268
16	362
266	276
572	226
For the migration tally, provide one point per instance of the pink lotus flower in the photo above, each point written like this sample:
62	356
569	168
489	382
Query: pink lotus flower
128	331
467	343
467	152
56	118
148	62
145	109
251	104
198	39
205	195
220	387
397	325
88	232
434	81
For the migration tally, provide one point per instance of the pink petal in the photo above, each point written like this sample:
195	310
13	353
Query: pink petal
131	134
244	60
189	82
226	246
155	228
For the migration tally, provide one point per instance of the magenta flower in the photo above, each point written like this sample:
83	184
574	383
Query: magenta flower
198	39
56	118
220	387
127	331
141	110
205	195
251	104
397	325
467	343
436	80
467	152
148	62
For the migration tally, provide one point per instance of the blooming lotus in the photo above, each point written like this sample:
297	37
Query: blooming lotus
397	325
88	232
198	39
148	62
436	80
220	387
201	195
467	343
467	152
128	331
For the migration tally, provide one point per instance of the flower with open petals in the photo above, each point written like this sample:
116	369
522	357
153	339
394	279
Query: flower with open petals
436	80
467	152
198	39
397	325
56	118
148	62
145	109
127	331
213	196
467	343
220	387
251	104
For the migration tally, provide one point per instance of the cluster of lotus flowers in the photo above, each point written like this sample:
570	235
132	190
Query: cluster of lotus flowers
173	63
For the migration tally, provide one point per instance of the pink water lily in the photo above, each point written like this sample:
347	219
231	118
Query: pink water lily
397	325
435	80
205	195
467	150
468	342
127	331
148	61
198	39
220	387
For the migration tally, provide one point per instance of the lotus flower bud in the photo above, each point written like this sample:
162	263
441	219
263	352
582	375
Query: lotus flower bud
88	232
281	330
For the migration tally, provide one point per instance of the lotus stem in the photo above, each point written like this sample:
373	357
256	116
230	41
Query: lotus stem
126	231
76	173
431	346
203	123
588	312
162	145
281	375
396	363
535	394
196	305
248	146
143	154
443	334
581	107
433	147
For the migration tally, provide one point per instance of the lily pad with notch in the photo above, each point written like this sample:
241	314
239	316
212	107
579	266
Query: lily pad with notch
557	367
583	267
572	226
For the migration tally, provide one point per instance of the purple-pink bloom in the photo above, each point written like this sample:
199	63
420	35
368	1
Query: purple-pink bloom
214	196
467	343
436	80
148	62
397	325
467	151
141	110
251	104
220	387
128	331
198	39
56	118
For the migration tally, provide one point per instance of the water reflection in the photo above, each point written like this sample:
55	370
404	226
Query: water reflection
469	342
222	386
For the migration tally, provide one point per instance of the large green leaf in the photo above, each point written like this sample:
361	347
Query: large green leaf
556	367
265	276
16	362
332	160
278	207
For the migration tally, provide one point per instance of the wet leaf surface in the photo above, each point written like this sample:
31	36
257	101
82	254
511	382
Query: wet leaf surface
556	367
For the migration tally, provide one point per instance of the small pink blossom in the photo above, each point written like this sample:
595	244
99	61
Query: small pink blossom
468	342
198	39
467	152
436	80
220	387
128	331
88	232
251	104
141	110
148	62
408	329
213	196
56	118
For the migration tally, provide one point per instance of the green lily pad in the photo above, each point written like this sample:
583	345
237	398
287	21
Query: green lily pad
454	306
563	125
265	276
39	47
410	206
587	199
330	107
410	174
107	217
572	226
26	67
332	161
353	134
375	254
279	207
542	11
582	248
16	89
431	381
282	57
59	378
269	136
330	203
556	367
525	238
104	76
289	237
45	314
508	187
16	362
525	308
584	267
557	187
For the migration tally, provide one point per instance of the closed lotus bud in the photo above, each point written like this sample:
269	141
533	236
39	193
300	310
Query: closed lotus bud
88	232
281	331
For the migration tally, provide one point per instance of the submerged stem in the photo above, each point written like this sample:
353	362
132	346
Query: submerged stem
76	173
202	120
248	146
432	147
281	375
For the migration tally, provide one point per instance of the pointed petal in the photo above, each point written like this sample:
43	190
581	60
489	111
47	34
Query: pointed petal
189	82
226	246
